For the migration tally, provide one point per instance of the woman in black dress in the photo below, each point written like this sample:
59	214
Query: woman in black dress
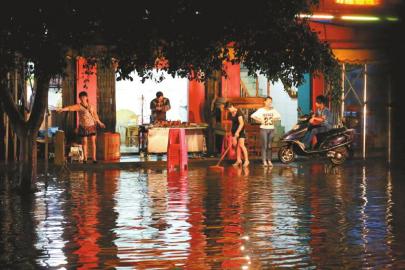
238	134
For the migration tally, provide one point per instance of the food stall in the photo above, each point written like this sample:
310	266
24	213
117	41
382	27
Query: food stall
154	137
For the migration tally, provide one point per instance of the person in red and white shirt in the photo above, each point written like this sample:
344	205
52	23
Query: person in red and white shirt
266	116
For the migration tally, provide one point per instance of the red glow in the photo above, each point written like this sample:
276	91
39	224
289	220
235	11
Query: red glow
359	2
86	81
196	101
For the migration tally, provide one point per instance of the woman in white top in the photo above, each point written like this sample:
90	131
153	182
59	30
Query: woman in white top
266	116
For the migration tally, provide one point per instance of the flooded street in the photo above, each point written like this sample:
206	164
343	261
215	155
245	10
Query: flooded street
307	215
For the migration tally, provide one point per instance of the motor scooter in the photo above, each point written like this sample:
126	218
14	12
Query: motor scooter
335	144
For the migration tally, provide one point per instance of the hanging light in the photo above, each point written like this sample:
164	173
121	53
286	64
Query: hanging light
392	19
359	2
317	16
360	18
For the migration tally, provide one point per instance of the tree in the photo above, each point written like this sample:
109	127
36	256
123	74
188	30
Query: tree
193	36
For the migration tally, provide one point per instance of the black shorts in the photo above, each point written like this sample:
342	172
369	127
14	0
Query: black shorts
87	131
242	134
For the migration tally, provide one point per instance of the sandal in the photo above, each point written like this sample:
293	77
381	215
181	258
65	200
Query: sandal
246	163
237	163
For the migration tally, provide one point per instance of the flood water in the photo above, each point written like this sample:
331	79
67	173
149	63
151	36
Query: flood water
309	216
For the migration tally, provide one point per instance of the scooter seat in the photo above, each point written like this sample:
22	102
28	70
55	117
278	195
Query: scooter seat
333	131
322	136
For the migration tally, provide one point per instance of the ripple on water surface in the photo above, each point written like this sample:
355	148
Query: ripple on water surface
308	216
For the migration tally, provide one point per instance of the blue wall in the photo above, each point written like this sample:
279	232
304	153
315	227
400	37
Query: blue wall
304	95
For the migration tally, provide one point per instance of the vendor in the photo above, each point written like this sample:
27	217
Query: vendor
159	106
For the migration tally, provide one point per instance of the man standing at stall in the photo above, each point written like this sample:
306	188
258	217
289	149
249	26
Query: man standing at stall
159	106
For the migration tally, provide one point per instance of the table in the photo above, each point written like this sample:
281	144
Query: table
157	139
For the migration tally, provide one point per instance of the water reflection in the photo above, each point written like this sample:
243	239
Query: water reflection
300	216
50	222
17	235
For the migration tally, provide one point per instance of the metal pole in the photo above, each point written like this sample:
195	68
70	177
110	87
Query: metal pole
342	109
257	86
46	138
268	88
7	126
389	119
6	138
142	110
16	102
365	111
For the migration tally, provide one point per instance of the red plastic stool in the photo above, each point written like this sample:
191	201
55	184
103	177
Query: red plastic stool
226	142
177	150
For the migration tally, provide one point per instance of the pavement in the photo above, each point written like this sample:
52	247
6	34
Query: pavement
136	161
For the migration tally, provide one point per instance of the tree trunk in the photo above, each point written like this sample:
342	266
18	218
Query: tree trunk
29	175
27	167
27	131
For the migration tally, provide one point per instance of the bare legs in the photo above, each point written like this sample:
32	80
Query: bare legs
84	144
93	148
240	149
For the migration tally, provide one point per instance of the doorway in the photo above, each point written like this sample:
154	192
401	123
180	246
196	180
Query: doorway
133	104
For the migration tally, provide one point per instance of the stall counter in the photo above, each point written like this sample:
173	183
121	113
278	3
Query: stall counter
158	138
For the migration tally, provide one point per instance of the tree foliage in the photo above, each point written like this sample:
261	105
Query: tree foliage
193	37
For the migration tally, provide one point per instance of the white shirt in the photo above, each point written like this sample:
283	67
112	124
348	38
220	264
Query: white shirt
266	116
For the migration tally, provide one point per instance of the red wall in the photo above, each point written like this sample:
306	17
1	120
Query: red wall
318	84
86	82
196	99
231	84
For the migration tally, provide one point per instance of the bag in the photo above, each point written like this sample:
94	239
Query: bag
314	122
76	153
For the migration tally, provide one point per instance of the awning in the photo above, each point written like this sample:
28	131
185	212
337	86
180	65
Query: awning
358	56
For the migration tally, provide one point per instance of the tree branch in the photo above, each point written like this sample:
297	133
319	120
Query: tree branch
40	101
11	109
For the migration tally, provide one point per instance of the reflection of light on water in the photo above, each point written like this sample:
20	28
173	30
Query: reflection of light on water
375	216
152	219
388	215
50	228
287	235
363	215
265	222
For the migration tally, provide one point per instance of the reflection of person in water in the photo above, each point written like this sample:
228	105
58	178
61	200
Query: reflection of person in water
159	106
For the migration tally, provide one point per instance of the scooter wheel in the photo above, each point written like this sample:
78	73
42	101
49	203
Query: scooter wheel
341	154
286	154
